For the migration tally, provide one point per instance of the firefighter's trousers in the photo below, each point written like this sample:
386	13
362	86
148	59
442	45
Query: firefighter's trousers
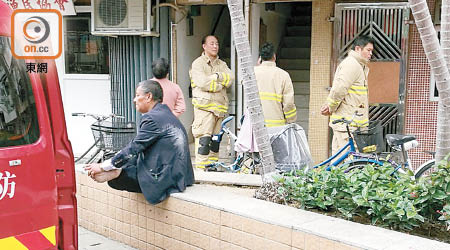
204	126
339	140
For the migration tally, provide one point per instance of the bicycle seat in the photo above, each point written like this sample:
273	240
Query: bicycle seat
395	140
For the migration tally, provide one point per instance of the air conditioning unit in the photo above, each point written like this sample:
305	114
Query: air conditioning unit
125	17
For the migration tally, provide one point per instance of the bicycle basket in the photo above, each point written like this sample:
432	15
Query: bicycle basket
113	135
370	139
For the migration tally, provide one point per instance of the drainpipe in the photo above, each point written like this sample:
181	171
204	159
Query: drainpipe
173	54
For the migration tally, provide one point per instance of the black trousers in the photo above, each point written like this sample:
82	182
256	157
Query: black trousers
127	180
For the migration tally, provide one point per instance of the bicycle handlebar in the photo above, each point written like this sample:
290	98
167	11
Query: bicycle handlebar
340	120
343	120
98	117
226	120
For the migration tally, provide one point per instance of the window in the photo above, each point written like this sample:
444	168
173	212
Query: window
84	53
18	116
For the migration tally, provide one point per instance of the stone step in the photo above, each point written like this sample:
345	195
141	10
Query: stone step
295	53
301	101
301	88
298	30
297	42
287	64
299	75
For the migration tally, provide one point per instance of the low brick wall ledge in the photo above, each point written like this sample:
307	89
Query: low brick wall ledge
212	217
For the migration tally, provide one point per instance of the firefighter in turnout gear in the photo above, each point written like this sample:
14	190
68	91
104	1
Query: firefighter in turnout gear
275	90
349	93
210	78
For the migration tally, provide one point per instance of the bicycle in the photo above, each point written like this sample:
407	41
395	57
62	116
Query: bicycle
243	163
109	136
289	146
425	168
397	142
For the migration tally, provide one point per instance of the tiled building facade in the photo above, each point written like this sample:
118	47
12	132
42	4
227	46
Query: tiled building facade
420	112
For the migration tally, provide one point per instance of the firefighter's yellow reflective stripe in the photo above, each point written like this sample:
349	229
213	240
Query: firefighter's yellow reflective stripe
202	164
226	79
213	158
332	102
355	122
291	113
11	243
275	123
210	106
270	96
359	90
358	87
213	86
50	234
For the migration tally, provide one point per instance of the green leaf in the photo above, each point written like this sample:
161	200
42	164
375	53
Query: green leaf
400	212
411	212
358	200
440	195
375	176
419	217
374	220
364	192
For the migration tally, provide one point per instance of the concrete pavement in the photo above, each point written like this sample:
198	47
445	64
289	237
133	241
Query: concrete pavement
88	240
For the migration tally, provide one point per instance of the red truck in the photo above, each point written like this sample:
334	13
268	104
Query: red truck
37	178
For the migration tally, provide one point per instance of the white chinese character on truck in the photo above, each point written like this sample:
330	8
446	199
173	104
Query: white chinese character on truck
7	185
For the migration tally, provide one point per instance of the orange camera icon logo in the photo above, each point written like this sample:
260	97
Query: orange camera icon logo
36	34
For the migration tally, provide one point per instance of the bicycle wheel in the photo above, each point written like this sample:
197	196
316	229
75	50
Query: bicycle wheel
357	164
423	170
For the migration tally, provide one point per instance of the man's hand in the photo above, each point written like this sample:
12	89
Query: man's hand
325	110
93	169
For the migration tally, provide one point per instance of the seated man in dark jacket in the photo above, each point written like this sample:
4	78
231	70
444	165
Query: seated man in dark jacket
157	161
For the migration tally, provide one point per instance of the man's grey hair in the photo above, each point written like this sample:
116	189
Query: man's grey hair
153	87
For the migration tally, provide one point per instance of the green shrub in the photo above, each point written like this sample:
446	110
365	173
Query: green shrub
394	201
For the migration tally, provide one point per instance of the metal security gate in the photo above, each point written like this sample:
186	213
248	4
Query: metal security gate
387	24
130	60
